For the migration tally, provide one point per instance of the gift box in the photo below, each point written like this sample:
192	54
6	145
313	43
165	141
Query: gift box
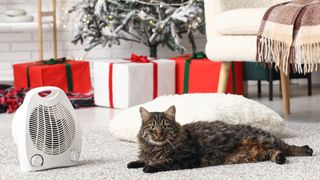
125	83
70	75
200	75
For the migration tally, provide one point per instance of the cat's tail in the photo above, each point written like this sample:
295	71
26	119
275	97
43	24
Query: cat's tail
292	150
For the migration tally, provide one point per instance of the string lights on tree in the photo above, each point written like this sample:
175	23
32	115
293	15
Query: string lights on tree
151	22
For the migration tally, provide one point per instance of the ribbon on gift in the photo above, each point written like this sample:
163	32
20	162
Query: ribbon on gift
134	59
54	62
201	55
233	74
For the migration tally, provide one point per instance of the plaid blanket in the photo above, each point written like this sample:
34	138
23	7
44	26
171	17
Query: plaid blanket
290	34
11	99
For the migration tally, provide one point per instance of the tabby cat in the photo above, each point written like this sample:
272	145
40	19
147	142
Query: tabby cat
166	145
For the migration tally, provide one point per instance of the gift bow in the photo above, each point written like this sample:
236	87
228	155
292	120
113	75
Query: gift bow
54	61
198	55
139	59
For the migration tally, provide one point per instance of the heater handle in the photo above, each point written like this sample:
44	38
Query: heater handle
54	92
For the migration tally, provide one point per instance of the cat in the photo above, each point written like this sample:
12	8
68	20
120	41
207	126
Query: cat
166	145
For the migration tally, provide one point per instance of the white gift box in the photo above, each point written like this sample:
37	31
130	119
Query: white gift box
131	83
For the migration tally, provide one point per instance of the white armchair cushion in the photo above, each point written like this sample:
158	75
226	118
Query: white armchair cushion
214	7
245	21
222	47
232	48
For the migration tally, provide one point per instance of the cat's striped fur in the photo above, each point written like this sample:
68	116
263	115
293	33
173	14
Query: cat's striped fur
166	145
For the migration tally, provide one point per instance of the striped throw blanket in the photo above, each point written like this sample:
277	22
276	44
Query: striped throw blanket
290	34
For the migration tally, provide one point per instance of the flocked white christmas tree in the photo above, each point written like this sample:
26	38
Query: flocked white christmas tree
151	22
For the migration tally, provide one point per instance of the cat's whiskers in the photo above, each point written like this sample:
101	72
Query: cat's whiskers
171	144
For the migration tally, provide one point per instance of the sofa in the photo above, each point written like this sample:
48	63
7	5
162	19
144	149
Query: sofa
231	27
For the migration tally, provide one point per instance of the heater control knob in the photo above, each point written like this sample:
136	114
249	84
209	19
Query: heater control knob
74	156
36	160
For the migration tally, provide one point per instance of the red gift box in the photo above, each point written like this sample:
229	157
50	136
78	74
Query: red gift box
203	76
69	75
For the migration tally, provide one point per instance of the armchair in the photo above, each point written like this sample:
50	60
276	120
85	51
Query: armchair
237	46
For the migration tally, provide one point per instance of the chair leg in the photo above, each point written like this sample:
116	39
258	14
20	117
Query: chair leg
280	89
259	89
245	90
270	90
285	92
309	84
270	85
224	76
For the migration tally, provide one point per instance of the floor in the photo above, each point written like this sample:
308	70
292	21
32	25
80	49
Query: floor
304	108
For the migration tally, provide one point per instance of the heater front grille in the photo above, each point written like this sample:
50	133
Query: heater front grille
52	128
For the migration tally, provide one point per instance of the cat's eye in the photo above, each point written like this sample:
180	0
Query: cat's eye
152	127
168	128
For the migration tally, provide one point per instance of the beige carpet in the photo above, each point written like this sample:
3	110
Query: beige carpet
103	157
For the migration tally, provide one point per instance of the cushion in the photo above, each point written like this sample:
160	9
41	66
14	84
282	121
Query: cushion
232	48
244	21
229	108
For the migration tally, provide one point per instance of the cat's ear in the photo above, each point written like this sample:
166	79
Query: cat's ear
171	112
145	115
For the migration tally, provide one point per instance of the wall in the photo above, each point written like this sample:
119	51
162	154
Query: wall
18	43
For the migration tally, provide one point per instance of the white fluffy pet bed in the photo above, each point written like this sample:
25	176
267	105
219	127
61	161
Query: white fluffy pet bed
229	108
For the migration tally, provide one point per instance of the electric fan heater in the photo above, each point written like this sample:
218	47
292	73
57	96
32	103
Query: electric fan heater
46	131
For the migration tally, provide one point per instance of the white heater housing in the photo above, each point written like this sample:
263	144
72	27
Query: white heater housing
46	131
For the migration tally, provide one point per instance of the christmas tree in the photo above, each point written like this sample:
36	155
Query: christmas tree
151	22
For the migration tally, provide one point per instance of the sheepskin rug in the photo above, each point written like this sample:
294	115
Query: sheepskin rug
229	108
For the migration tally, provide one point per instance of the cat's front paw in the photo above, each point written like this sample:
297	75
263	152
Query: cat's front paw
135	164
150	169
280	158
308	150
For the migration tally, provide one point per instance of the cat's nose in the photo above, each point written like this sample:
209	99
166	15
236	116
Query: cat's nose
158	133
